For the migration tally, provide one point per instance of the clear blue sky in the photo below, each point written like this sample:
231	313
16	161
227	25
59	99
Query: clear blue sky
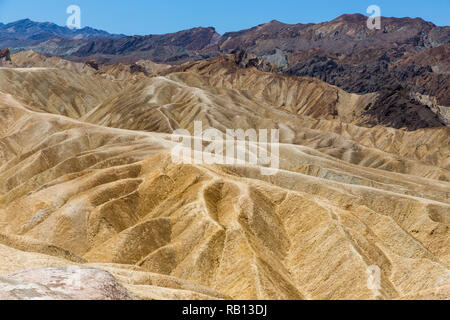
162	16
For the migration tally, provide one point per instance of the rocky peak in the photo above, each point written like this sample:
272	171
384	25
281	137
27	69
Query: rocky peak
5	54
351	18
5	57
246	60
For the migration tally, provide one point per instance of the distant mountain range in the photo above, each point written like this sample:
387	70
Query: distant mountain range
342	52
24	33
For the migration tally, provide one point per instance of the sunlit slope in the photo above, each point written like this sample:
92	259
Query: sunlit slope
58	86
80	193
167	103
56	91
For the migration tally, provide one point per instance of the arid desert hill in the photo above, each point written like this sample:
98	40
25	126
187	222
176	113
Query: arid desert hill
87	180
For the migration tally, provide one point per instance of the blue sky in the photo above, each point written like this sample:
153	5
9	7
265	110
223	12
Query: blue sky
162	16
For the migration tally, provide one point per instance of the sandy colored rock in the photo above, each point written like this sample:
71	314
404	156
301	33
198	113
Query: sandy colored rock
99	190
70	283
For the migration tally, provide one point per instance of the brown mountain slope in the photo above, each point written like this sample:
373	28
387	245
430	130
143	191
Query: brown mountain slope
344	52
346	34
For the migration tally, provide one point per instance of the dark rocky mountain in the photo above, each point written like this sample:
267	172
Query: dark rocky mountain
422	76
347	35
168	48
344	52
5	57
25	33
394	107
347	38
5	54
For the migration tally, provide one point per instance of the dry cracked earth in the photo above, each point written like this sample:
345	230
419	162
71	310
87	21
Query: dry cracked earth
87	183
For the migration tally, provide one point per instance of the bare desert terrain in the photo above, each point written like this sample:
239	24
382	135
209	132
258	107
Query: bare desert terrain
87	181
